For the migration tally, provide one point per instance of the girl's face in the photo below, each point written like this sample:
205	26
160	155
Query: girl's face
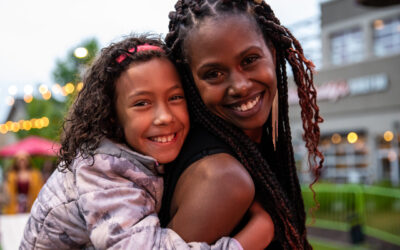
234	71
152	109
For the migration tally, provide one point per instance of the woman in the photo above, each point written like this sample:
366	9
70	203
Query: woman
23	185
232	57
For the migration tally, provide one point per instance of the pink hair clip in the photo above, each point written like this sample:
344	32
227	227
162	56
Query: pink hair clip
139	48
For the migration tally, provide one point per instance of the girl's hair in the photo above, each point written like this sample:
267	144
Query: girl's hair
275	174
93	115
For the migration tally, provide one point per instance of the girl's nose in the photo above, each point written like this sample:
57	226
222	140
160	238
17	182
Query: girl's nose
240	85
163	116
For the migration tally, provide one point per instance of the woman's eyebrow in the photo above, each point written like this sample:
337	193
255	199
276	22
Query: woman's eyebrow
209	65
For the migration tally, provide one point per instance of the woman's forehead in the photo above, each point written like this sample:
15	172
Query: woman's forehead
216	35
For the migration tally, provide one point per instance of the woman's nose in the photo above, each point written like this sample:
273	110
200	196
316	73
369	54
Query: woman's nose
240	85
163	116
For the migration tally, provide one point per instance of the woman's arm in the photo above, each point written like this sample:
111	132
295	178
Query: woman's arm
210	198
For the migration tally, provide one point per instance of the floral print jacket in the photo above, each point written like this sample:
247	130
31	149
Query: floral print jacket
106	202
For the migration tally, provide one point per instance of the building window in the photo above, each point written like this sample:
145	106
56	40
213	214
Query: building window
345	157
387	36
388	156
347	46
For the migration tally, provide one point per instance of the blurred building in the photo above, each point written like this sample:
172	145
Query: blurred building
358	80
16	112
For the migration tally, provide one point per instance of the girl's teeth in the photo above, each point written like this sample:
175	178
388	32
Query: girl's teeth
163	139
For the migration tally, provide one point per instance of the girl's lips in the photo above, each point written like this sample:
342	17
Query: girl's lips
164	139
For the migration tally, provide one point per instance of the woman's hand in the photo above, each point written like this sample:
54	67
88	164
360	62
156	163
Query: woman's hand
259	231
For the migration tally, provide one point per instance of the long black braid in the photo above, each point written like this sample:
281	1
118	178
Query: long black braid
276	180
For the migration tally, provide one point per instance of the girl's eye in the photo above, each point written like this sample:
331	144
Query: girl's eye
249	60
141	103
213	74
177	98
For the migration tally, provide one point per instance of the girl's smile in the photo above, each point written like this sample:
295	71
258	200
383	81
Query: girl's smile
234	71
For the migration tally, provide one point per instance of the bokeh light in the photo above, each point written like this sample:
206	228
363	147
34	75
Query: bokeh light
352	137
46	95
80	52
10	100
336	138
388	136
79	86
28	98
43	89
12	90
69	88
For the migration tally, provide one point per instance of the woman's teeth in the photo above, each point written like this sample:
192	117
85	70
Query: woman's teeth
163	139
246	106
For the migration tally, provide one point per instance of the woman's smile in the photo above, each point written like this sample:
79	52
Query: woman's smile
247	107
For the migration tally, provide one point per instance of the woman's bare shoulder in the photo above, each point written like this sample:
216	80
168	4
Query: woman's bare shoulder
222	168
213	193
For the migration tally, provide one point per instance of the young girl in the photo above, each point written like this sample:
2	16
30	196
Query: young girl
232	55
129	118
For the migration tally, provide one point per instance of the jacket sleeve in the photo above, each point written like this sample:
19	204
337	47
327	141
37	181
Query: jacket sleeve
118	203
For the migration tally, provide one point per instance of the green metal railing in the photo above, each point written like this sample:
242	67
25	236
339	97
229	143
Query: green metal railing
342	206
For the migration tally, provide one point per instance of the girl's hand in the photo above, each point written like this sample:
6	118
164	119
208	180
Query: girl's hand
259	231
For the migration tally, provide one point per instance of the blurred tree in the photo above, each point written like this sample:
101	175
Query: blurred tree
52	109
67	70
71	69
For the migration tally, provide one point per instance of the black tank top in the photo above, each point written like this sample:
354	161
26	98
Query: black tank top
199	143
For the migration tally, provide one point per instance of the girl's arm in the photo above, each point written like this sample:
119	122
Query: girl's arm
259	231
118	206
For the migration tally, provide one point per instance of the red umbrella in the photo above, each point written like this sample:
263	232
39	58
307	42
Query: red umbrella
32	145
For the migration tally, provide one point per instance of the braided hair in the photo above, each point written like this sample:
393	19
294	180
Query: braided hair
275	177
92	116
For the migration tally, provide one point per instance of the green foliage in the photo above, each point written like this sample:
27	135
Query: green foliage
52	109
71	68
67	70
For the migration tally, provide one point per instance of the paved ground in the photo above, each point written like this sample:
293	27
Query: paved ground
342	240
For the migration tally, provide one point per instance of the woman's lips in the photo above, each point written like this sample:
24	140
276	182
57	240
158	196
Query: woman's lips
247	105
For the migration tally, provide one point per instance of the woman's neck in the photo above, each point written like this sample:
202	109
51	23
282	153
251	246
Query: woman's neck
254	134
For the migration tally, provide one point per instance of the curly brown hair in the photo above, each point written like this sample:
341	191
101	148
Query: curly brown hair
274	173
93	116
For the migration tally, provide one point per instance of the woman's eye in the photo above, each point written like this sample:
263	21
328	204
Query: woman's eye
213	74
249	60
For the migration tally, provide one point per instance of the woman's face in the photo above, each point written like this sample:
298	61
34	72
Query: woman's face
22	161
234	71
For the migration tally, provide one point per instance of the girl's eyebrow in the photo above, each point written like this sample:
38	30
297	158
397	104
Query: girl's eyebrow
176	86
147	92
